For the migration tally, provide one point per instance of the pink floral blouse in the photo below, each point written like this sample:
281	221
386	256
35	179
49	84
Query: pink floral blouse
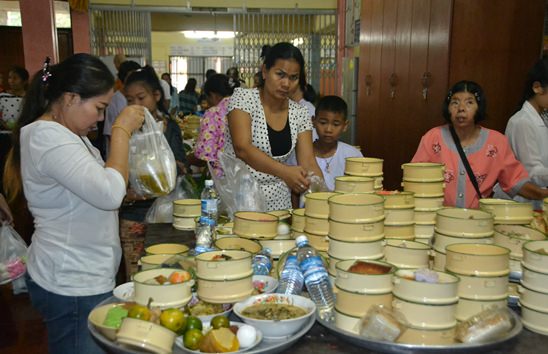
212	135
490	157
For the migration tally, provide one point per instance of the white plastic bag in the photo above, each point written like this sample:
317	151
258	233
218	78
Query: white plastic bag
13	253
238	189
152	167
161	210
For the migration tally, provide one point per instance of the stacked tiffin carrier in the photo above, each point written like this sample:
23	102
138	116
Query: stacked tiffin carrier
365	167
533	296
185	213
426	181
399	212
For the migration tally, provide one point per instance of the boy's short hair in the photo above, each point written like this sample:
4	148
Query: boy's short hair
333	104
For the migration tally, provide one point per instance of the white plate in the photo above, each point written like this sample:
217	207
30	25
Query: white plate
258	339
269	283
124	292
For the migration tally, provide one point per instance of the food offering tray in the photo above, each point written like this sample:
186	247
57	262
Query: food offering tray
401	348
265	347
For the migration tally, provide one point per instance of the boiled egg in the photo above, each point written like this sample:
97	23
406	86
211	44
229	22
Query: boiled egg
247	336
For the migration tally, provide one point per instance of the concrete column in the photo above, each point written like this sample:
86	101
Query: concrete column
39	33
80	31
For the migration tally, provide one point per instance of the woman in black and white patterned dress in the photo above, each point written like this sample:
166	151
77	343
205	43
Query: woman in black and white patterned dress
265	127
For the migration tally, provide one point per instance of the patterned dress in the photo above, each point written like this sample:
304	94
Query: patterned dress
277	193
490	157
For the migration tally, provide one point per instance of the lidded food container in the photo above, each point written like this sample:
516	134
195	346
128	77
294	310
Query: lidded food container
470	223
255	225
423	172
187	207
162	295
508	211
356	208
316	205
354	184
407	254
356	232
363	166
477	259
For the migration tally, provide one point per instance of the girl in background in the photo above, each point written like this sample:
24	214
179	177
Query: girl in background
10	101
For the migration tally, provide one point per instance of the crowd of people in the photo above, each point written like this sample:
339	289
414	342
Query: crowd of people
87	217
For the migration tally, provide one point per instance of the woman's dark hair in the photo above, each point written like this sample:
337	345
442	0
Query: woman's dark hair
309	94
473	88
147	77
82	74
126	67
218	84
21	72
171	88
283	51
190	86
538	73
209	73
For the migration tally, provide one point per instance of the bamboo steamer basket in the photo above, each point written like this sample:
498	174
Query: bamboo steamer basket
357	304
316	204
467	308
423	171
162	295
424	189
532	299
298	220
477	259
445	291
397	199
441	241
363	166
401	231
399	216
225	291
534	280
167	248
187	207
255	225
238	266
514	237
533	320
429	203
348	250
535	255
364	283
347	322
483	288
356	232
508	211
318	226
356	208
430	337
420	315
406	254
464	222
354	184
184	222
238	244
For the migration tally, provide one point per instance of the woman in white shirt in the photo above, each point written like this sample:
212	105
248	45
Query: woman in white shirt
527	130
72	194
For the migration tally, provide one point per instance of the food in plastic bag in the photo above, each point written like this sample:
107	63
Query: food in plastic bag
152	166
13	252
161	210
381	323
486	325
317	184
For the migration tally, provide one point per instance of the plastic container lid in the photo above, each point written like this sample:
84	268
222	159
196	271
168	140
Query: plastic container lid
301	239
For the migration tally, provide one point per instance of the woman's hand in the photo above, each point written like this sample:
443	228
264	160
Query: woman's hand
132	196
295	178
131	118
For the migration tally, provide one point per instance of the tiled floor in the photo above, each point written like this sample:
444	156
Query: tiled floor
21	328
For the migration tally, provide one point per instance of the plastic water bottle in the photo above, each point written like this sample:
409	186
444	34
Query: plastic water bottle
210	204
262	264
316	278
291	279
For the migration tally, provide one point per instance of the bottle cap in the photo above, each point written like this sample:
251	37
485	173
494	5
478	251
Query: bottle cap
301	239
208	182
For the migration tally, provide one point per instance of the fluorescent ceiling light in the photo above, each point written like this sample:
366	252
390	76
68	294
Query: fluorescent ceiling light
208	34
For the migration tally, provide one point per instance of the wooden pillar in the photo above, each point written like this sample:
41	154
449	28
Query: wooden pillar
80	31
341	35
39	33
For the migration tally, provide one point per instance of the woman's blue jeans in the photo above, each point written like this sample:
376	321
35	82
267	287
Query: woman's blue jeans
66	319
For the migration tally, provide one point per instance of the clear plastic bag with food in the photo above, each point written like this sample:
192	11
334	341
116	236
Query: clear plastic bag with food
152	166
381	323
13	253
485	326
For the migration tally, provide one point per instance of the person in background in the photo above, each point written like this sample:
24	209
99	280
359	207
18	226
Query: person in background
166	87
188	98
118	102
487	151
202	103
10	100
72	193
299	96
5	212
174	98
234	78
213	125
256	79
117	60
330	122
527	130
142	87
209	73
265	127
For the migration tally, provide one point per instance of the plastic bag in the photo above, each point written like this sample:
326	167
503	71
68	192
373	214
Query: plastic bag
381	323
13	253
487	325
161	210
238	189
317	184
152	167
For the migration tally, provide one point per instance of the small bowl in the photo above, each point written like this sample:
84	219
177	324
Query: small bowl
460	222
354	184
445	291
125	291
477	259
167	248
423	171
508	211
255	225
363	166
146	335
316	204
264	284
187	207
356	208
97	318
238	244
277	329
163	295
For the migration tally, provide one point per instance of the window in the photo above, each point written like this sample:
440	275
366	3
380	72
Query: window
183	68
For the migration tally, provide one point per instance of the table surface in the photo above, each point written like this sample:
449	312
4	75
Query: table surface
320	339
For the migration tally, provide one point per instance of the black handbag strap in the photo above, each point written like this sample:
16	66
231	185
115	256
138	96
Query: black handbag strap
465	161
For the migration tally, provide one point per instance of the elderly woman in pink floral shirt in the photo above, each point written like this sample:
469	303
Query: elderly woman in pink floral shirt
213	124
487	151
